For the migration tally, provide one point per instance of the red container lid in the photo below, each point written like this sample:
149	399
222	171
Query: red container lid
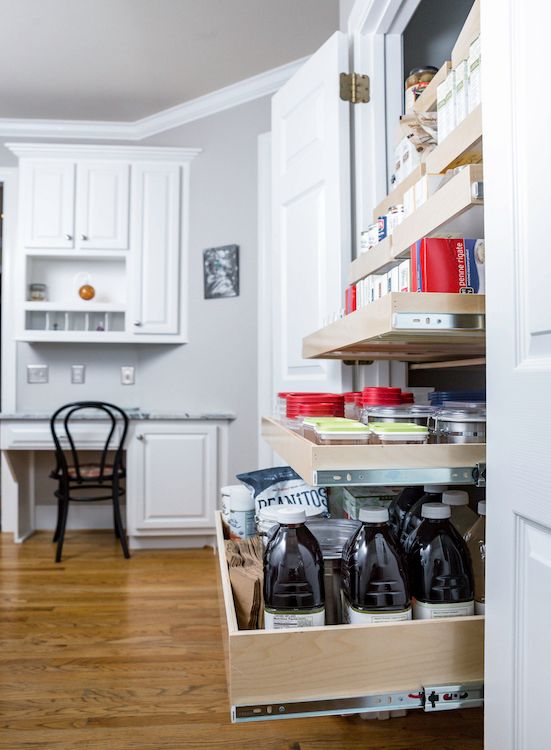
316	410
381	390
408	398
350	397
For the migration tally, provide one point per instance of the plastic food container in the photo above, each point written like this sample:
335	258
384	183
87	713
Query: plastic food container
462	423
349	434
310	424
406	433
266	519
351	409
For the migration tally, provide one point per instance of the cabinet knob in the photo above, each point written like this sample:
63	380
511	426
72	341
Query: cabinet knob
83	237
138	323
69	236
140	437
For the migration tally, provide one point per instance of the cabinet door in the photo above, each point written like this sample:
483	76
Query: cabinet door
311	214
156	239
173	477
102	205
47	197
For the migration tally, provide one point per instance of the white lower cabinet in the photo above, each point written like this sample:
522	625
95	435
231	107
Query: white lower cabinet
172	480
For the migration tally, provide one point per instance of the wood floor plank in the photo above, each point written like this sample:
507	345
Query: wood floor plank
103	652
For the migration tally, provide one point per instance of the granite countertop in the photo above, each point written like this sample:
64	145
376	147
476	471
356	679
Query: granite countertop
133	414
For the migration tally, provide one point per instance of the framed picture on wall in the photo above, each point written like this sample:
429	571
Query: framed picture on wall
221	271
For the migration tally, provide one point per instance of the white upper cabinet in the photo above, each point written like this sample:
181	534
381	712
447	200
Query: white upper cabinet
156	233
102	211
114	218
48	203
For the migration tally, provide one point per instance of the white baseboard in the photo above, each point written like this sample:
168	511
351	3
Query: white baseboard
81	517
172	542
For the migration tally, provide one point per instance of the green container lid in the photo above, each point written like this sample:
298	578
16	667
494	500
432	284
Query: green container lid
353	427
380	428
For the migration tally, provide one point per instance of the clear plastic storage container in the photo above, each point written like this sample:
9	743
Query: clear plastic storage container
460	423
392	433
339	434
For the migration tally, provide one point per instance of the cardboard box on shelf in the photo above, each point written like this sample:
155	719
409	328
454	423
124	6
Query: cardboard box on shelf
461	86
427	186
445	107
409	201
473	64
444	264
356	498
404	276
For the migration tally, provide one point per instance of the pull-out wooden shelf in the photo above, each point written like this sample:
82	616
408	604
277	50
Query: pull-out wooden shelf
336	465
457	207
342	669
406	326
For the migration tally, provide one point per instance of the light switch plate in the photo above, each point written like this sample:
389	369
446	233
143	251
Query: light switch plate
37	374
128	375
78	374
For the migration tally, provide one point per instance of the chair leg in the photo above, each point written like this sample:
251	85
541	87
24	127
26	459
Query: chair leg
119	528
64	513
59	516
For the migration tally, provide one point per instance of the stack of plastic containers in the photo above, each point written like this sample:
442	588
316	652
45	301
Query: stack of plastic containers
301	405
437	398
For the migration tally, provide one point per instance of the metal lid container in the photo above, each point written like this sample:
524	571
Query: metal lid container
460	423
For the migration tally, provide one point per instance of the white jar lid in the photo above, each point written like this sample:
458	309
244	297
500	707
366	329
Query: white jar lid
455	497
291	514
374	515
435	487
481	508
435	510
271	512
240	497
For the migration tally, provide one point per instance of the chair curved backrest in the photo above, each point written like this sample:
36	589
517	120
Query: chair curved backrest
61	430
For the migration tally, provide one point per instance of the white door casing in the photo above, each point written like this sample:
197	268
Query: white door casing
518	303
173	480
156	238
102	212
311	214
48	200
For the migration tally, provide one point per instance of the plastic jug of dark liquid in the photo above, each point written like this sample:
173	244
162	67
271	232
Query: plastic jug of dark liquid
294	595
374	579
431	493
399	507
439	565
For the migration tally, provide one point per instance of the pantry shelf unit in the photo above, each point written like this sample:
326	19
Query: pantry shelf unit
373	465
90	307
77	254
427	101
365	668
462	146
456	208
405	326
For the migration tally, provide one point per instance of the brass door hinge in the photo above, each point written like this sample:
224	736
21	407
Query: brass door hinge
354	88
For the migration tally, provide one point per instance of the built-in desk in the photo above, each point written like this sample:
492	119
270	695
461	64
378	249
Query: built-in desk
175	464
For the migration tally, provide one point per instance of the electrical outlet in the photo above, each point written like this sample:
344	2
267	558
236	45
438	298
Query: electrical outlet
37	374
78	374
128	375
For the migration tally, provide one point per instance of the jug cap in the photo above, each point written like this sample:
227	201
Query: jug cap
481	508
290	514
435	510
455	497
374	515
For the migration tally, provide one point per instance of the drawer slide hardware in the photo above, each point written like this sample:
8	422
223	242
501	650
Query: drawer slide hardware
433	698
448	322
398	477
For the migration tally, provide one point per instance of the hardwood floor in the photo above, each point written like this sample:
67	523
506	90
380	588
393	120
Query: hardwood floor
102	652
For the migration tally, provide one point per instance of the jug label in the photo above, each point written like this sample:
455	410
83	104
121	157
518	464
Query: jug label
357	617
429	611
479	608
281	620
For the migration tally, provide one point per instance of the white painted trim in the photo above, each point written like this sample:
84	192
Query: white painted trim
9	180
266	393
77	151
225	98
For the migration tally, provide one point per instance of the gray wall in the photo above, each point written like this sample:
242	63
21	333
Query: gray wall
217	370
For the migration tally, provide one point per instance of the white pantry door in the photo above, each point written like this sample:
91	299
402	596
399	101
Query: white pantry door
517	165
311	214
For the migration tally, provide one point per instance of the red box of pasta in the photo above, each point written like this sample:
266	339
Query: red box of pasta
443	264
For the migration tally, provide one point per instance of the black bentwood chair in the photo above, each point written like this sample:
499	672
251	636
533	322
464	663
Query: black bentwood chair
75	476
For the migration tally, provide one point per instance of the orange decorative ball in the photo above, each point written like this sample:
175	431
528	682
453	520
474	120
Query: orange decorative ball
87	292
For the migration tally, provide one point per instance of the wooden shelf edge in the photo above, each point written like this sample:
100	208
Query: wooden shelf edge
446	204
376	260
475	362
427	100
397	194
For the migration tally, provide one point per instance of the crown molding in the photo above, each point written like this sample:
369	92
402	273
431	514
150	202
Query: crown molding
78	151
238	93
